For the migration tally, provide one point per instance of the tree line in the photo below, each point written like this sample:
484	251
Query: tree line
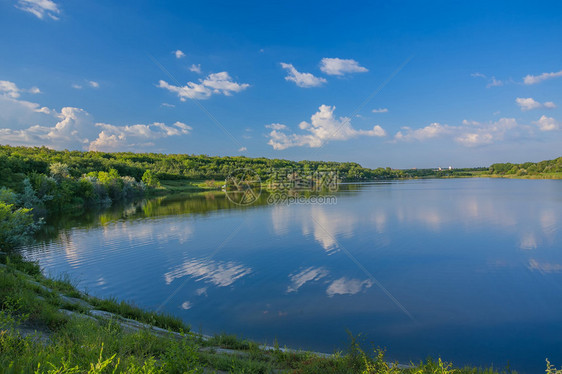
37	180
527	168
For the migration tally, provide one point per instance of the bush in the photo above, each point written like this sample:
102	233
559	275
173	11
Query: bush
16	226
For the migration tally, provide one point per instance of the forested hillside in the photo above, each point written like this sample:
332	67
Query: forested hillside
19	161
528	168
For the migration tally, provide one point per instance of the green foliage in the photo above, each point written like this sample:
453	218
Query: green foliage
8	196
59	171
182	356
152	167
128	310
528	168
550	369
16	226
150	179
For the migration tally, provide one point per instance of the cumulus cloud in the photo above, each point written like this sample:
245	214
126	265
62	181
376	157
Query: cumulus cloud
242	149
39	8
534	79
94	84
431	131
71	128
217	83
338	66
474	138
344	286
117	138
195	68
470	133
380	110
302	79
179	54
69	132
548	124
529	104
15	111
323	127
10	89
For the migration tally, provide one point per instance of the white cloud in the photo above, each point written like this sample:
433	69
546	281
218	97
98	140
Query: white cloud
179	54
195	68
431	131
310	274
168	105
529	104
544	267
221	274
242	149
186	305
118	138
474	139
305	80
217	83
477	75
277	126
222	83
470	133
338	66
492	81
534	79
94	84
548	124
15	111
10	89
76	86
344	286
191	90
70	131
380	110
323	127
72	128
39	8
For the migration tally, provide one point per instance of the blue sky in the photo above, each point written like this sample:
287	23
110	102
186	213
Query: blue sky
400	84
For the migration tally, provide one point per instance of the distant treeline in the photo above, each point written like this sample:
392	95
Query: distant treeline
18	162
527	168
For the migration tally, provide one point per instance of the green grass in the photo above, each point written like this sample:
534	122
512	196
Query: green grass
557	175
184	186
128	310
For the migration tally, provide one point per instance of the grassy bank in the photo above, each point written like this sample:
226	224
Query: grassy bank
48	326
557	175
171	186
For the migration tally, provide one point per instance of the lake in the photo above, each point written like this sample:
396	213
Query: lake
466	269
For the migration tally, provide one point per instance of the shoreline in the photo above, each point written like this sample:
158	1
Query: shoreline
49	310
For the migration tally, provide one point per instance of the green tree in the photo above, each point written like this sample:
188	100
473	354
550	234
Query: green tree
8	196
59	171
16	226
150	179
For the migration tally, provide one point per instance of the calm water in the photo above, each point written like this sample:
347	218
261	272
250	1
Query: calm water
469	269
